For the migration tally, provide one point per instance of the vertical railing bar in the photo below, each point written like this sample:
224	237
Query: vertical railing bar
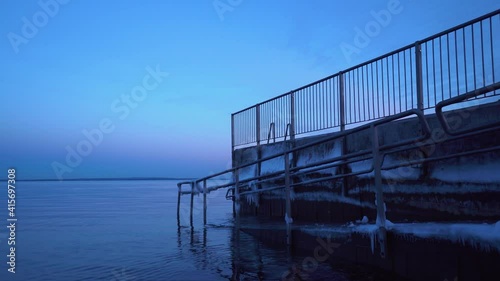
322	104
393	85
456	63
303	111
399	87
251	122
473	56
325	100
404	71
329	107
368	92
491	48
388	86
434	72
465	62
337	100
352	95
363	96
449	65
351	98
427	74
348	98
232	134
281	117
419	98
359	98
274	109
257	124
315	108
334	111
298	120
378	98
373	91
315	102
292	118
310	109
441	67
482	54
341	101
382	83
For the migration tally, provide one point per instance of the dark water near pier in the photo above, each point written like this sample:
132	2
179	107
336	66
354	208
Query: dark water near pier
127	230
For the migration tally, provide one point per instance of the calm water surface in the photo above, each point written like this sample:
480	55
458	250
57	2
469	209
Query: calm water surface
127	230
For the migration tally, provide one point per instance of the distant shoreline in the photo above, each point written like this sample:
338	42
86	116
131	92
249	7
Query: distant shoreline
103	179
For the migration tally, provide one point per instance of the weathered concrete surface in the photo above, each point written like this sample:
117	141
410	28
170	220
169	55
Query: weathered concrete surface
461	188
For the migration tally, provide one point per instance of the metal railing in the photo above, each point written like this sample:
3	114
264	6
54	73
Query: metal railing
242	187
417	76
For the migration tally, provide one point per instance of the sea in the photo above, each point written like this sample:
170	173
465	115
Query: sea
128	230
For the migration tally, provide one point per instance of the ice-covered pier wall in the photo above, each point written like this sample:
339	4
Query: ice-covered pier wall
463	187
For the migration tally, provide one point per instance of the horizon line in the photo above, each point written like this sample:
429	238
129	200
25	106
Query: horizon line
108	179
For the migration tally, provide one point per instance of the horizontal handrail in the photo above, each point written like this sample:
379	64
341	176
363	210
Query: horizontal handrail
471	94
420	115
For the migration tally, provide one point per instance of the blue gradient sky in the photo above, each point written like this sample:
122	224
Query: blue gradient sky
66	77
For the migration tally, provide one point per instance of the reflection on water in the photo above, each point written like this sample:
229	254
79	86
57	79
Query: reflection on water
127	230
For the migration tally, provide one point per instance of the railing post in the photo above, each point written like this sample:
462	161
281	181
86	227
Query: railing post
232	132
257	124
343	168
179	205
204	202
418	73
292	127
192	204
288	204
292	116
236	199
257	132
379	194
341	101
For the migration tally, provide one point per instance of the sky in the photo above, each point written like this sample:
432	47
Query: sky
94	89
